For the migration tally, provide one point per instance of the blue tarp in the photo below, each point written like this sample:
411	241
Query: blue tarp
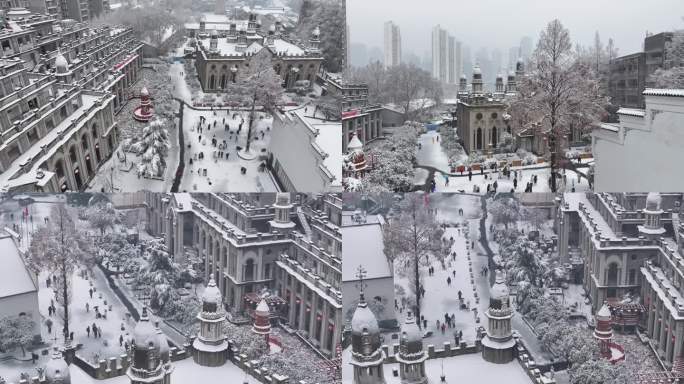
431	127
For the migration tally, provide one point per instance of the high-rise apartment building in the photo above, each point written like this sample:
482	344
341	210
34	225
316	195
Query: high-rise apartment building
392	44
446	56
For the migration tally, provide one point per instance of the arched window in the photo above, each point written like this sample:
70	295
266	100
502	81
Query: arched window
495	137
613	274
478	139
212	82
59	169
223	81
249	270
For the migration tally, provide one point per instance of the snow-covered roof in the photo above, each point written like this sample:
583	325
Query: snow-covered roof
212	294
15	278
184	371
230	48
631	112
363	245
664	92
183	202
465	368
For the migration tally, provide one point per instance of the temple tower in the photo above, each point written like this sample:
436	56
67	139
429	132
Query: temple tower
210	346
147	366
498	344
411	355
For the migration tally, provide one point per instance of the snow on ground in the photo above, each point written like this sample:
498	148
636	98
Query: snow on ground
224	174
430	152
441	298
470	368
184	371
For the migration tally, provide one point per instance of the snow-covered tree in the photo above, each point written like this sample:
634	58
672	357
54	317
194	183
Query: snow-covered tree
153	145
560	93
60	248
16	332
598	371
329	17
102	216
407	85
672	73
412	239
505	210
392	168
375	76
536	217
260	85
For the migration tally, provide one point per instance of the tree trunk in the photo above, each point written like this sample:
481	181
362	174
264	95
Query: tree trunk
416	270
251	119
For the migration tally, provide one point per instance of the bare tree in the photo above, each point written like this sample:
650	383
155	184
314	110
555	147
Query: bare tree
60	248
260	85
408	84
560	92
411	238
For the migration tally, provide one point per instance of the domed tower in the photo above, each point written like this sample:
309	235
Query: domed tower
252	24
270	37
57	370
147	366
241	39
210	346
652	227
281	222
604	330
519	68
367	355
213	41
463	84
315	41
62	72
356	157
411	355
262	320
144	111
511	84
499	83
498	344
477	79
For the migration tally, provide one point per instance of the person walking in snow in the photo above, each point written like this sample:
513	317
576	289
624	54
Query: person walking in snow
449	281
91	292
87	307
88	330
121	340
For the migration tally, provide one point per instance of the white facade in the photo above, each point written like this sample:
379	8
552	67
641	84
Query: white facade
18	288
392	44
644	149
307	151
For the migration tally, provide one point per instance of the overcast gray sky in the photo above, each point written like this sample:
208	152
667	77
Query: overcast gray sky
501	23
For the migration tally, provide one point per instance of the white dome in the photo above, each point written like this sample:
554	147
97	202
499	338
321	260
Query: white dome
464	77
499	77
354	143
653	201
477	70
263	308
317	31
410	330
145	335
272	28
603	313
364	320
214	33
61	63
144	92
212	294
520	60
499	290
57	368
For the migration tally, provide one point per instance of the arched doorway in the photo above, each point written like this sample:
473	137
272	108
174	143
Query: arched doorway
59	171
613	274
478	139
212	82
495	137
249	270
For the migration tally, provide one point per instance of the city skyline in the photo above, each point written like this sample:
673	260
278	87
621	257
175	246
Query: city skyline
366	22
